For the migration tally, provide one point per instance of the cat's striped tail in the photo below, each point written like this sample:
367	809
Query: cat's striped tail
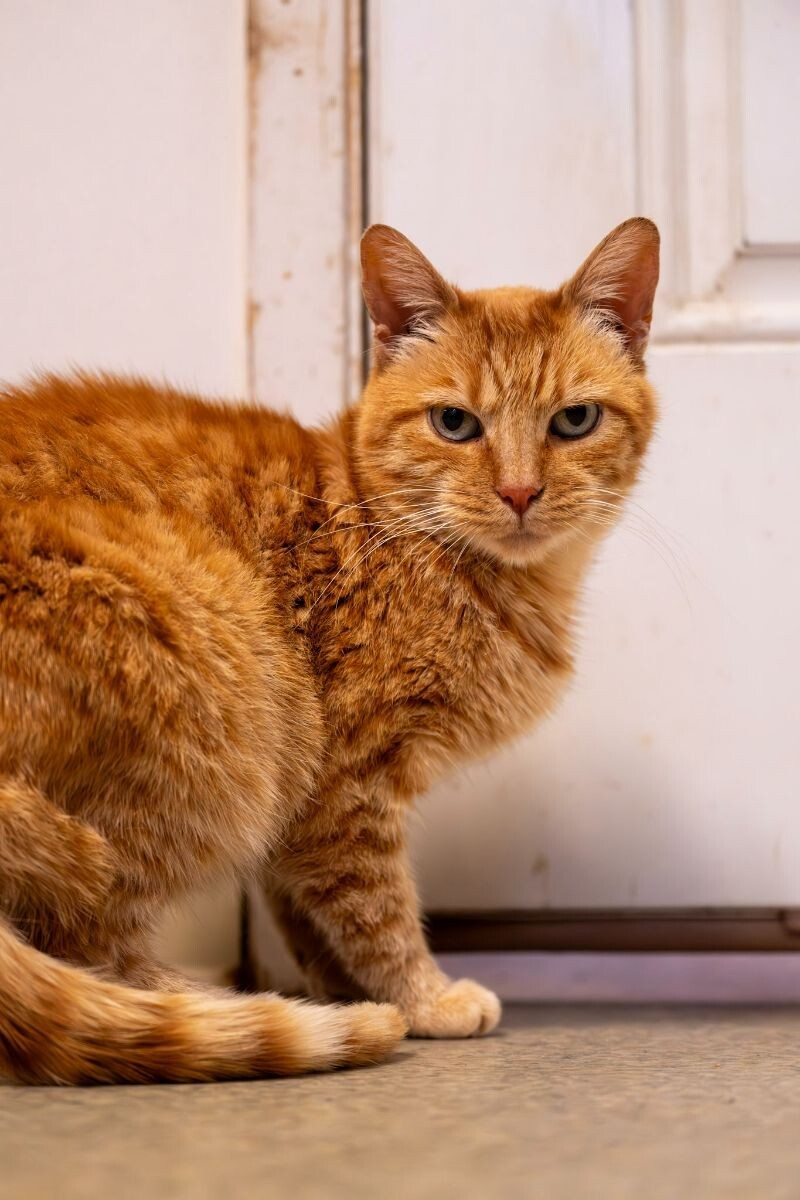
59	1024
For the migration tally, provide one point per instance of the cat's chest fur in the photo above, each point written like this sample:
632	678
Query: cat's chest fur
423	667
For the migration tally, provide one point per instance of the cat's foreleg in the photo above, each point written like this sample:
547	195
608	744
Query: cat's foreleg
346	873
322	973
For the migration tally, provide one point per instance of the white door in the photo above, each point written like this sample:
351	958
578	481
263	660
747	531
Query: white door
506	139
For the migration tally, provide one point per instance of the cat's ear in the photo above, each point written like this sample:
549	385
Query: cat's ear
619	280
403	292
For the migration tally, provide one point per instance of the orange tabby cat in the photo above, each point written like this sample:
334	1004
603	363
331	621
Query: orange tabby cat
231	644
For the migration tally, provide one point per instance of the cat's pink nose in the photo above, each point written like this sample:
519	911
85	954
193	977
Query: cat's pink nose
519	498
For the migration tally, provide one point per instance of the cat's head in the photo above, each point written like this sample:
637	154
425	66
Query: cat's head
510	420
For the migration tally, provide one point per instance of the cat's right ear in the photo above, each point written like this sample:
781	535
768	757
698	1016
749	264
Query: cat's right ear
619	281
403	292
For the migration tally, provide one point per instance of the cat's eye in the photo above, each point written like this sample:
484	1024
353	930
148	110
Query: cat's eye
455	424
575	421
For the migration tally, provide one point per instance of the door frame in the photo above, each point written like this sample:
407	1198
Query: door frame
310	118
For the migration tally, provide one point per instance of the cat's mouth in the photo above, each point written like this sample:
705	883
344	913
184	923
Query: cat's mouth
519	543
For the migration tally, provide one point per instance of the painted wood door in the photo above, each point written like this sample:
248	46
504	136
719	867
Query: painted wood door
182	193
506	139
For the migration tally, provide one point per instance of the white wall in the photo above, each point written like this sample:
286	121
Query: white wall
123	209
123	188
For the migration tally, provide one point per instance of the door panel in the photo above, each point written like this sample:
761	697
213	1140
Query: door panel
507	141
770	83
501	136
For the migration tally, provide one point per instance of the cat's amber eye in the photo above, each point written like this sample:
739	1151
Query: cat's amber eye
455	424
575	421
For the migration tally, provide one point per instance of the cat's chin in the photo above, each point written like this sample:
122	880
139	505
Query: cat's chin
522	549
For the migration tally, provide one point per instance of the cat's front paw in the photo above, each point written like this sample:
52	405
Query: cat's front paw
464	1009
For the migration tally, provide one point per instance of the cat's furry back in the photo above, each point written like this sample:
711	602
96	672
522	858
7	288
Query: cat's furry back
229	644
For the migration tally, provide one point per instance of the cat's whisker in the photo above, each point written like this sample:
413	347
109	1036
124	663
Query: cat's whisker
445	546
413	525
354	504
333	532
672	566
611	514
438	546
622	510
467	546
442	546
398	521
584	536
344	528
646	528
631	502
390	537
377	523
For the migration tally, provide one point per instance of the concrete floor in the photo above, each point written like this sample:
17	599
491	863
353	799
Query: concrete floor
565	1102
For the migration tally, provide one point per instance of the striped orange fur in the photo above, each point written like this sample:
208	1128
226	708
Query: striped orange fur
229	644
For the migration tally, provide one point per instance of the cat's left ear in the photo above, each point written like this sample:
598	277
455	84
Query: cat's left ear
619	280
402	290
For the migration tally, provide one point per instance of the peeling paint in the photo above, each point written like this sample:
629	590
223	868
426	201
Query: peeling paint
305	123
